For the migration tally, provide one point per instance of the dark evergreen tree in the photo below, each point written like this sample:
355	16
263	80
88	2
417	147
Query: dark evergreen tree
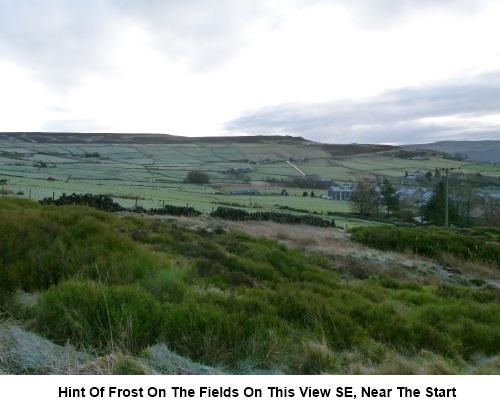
434	210
390	197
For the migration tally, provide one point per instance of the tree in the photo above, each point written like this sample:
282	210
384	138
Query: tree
364	198
390	197
434	210
491	211
428	175
464	199
197	177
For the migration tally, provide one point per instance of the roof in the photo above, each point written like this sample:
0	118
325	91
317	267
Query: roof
346	188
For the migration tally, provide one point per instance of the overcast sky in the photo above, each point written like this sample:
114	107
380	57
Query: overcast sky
337	71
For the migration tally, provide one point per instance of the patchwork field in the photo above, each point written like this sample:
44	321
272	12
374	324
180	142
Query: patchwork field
154	173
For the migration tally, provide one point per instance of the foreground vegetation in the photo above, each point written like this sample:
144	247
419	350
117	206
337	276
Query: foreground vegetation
480	244
84	291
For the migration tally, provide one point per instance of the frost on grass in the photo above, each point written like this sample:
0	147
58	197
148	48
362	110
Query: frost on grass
23	352
164	361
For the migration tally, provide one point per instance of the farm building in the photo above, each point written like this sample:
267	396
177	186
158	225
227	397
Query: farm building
343	192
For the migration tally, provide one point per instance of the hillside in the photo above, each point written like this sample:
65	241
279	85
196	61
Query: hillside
89	292
137	138
478	151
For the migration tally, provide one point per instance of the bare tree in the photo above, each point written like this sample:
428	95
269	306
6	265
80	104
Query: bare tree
364	200
465	199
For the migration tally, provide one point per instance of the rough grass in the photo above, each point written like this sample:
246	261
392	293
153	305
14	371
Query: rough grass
477	245
151	296
23	352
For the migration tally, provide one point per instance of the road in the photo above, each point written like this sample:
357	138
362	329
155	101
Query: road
296	168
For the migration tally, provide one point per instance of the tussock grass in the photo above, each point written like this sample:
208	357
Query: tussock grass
104	318
23	352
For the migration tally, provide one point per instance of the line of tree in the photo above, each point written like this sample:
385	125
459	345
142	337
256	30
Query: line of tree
383	199
368	198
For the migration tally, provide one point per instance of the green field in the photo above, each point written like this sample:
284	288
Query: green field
155	173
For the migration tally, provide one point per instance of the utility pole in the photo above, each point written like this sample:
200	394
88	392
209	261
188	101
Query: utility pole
446	170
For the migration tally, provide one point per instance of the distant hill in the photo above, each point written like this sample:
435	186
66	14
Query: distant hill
138	138
165	139
480	151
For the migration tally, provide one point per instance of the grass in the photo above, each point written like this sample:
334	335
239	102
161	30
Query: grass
477	244
132	293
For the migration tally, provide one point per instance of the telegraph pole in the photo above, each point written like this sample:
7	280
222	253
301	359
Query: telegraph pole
446	170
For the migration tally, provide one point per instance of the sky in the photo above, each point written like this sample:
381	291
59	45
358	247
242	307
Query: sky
333	71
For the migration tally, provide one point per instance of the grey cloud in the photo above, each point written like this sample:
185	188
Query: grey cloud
60	40
396	116
204	34
57	39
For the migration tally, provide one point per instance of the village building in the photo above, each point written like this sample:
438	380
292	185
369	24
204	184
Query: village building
343	192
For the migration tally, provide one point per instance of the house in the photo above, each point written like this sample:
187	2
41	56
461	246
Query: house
413	196
426	196
343	192
418	175
409	195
